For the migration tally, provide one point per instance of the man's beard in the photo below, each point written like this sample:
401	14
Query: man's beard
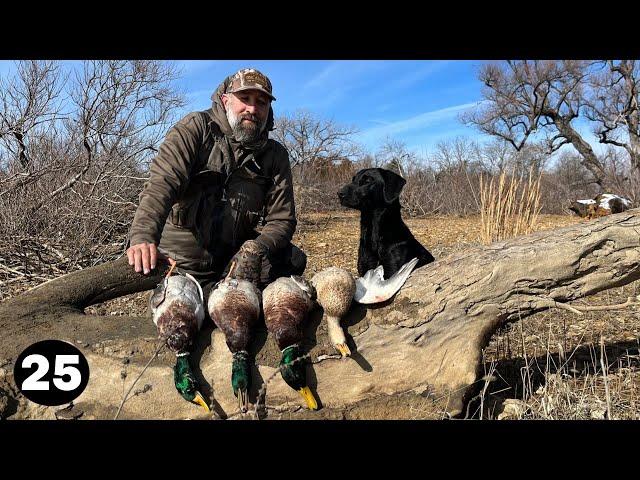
245	132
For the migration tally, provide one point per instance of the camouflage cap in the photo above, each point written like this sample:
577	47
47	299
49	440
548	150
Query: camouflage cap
250	79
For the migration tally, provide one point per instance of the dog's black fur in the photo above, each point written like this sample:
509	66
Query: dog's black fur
384	237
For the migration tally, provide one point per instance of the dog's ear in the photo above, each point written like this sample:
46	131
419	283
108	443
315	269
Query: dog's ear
393	184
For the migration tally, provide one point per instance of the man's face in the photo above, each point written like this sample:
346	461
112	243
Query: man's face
247	112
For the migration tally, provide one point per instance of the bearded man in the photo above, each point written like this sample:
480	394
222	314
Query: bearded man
217	185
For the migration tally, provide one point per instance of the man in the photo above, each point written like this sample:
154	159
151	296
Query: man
216	177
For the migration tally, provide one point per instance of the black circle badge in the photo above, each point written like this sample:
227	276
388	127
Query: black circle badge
51	372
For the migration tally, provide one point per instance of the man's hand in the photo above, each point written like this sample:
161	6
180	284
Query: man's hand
247	263
145	255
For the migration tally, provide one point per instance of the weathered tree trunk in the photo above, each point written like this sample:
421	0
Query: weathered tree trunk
424	344
589	158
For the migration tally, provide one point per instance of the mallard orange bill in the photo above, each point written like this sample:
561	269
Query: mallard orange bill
199	399
308	398
343	349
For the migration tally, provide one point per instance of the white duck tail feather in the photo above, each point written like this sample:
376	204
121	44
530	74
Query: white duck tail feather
197	284
373	288
199	313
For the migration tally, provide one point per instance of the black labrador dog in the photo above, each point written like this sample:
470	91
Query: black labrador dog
384	238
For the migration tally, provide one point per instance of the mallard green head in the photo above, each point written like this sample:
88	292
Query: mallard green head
186	383
241	378
295	375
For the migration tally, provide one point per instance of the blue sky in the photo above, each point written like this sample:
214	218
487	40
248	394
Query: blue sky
415	101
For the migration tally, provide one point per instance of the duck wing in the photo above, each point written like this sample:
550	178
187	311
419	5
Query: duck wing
183	289
373	288
286	304
159	294
234	306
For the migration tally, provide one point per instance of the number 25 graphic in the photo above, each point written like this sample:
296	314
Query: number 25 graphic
62	367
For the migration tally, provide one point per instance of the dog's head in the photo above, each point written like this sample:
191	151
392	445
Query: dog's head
372	188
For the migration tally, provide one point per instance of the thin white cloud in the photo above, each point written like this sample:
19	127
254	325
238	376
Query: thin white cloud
323	102
340	77
426	144
343	74
322	77
191	67
337	80
195	94
419	74
198	99
384	107
379	122
415	123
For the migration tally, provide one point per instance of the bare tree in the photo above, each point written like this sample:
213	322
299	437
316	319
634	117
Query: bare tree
393	154
496	155
308	137
27	101
67	198
458	163
122	109
458	154
612	103
524	97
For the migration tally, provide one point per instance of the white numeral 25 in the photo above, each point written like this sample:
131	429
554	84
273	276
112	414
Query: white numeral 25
62	367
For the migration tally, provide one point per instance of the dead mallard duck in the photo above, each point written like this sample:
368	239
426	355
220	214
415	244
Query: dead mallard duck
234	306
178	312
287	302
336	289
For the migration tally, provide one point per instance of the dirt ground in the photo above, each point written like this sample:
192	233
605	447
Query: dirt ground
547	366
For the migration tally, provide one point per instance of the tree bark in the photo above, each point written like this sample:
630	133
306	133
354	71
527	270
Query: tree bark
590	159
426	341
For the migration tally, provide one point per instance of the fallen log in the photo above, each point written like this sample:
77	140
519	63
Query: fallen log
423	345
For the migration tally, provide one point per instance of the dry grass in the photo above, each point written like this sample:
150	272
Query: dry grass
556	365
509	206
558	386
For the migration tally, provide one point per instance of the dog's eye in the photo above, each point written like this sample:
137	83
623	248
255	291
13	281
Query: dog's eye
365	180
